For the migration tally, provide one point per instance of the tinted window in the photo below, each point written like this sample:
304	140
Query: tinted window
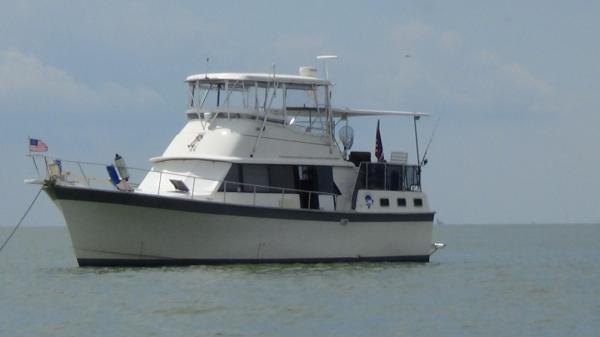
418	202
325	180
384	202
281	176
413	177
394	177
241	177
376	176
401	202
255	175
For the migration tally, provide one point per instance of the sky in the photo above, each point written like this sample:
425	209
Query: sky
513	86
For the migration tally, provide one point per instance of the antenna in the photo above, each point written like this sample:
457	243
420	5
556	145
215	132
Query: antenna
424	159
325	58
415	119
207	63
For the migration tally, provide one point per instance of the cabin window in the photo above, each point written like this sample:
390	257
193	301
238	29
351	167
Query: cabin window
305	107
281	176
401	202
418	202
303	173
376	176
233	178
384	202
255	175
304	99
394	177
273	178
413	178
391	177
325	180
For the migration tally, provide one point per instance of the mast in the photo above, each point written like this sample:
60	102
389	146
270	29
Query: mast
330	128
415	118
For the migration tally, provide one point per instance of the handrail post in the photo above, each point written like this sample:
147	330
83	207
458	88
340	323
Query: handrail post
159	181
367	175
46	167
334	198
309	199
193	187
35	165
385	177
83	173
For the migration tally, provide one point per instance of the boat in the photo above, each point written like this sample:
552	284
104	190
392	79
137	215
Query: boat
261	172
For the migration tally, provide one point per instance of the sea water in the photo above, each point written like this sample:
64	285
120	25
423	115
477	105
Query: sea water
502	280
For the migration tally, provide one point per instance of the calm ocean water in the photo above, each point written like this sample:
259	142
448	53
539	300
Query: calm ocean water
504	280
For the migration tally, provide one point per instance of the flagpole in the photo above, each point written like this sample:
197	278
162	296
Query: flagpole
32	157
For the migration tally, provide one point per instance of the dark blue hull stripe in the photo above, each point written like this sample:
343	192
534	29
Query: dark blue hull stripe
200	206
189	262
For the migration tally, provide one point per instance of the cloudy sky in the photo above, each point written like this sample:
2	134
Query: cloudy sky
514	84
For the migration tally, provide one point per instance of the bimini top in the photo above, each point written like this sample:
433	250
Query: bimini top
348	112
217	78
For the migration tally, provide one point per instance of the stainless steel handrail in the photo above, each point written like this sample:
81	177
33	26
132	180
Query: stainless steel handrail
406	168
223	183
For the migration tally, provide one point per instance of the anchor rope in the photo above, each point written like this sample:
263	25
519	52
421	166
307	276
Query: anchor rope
20	221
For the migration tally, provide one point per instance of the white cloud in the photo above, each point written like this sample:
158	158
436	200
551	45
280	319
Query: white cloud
526	79
411	34
24	75
298	43
487	56
450	40
444	65
25	78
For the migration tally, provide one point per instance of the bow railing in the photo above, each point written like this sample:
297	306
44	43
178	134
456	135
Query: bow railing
88	175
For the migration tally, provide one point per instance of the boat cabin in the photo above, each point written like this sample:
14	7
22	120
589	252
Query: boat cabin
270	140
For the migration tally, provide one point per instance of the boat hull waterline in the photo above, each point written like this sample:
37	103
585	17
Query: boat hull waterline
111	228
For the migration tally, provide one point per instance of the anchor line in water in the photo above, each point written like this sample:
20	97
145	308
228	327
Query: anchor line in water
20	221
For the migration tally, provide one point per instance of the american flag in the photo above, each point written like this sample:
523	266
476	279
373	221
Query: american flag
378	145
37	145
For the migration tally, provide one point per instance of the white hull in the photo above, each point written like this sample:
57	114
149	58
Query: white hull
125	232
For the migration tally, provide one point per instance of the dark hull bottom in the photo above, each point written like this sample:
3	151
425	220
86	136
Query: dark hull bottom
190	262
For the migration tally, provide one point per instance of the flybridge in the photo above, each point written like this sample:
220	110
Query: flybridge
261	90
257	92
299	100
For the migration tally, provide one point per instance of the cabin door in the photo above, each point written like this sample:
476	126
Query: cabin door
308	181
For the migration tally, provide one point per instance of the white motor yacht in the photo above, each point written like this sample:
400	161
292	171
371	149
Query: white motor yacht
256	175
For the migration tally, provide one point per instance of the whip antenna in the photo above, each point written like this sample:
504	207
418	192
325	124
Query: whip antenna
437	122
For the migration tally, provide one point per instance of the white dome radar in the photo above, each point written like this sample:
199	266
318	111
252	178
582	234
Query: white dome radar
308	71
